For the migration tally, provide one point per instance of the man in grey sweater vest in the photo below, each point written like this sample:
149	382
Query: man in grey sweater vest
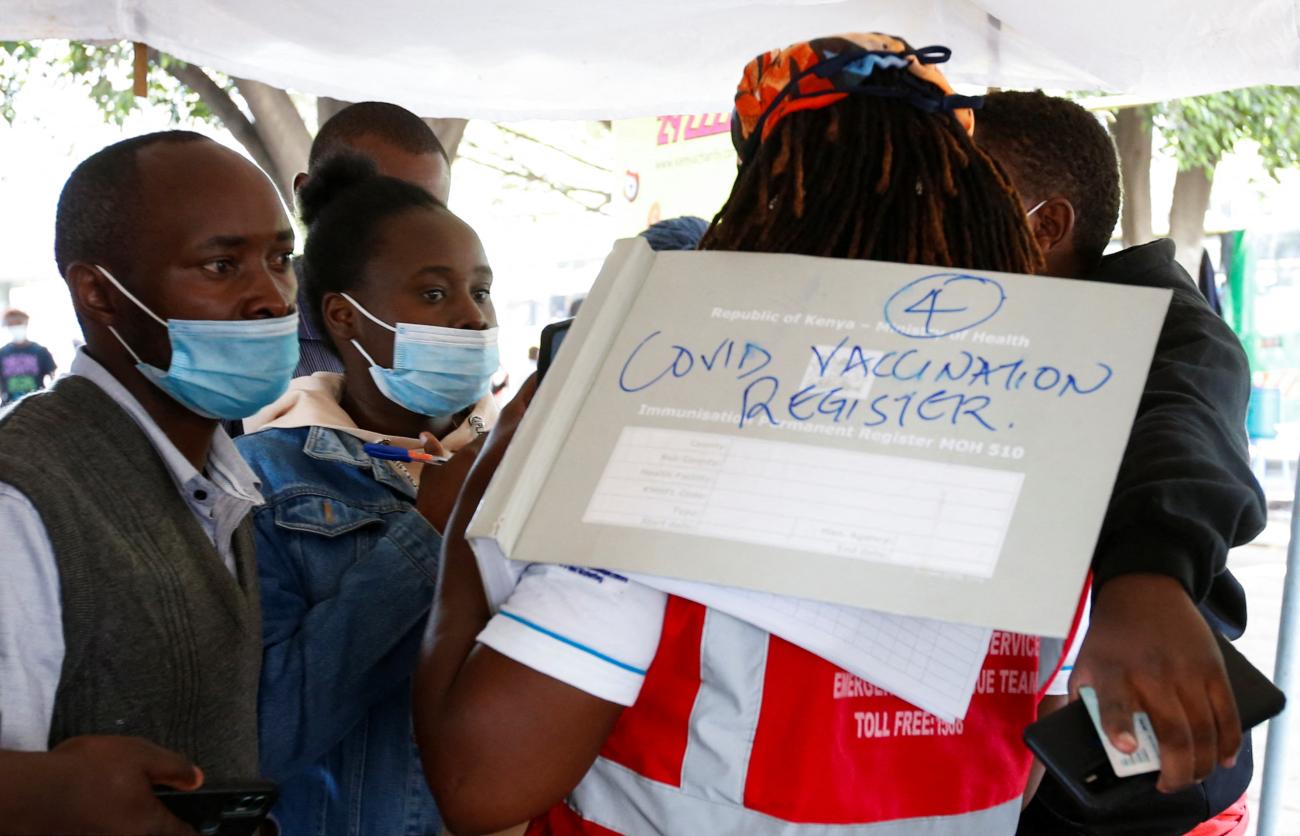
130	637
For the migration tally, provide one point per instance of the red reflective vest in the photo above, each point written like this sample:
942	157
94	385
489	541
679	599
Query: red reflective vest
737	731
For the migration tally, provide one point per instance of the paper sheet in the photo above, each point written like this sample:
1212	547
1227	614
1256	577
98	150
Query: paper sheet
932	664
916	514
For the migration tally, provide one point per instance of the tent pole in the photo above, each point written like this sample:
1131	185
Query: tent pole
1279	728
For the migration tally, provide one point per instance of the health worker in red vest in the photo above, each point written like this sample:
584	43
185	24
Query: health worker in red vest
590	704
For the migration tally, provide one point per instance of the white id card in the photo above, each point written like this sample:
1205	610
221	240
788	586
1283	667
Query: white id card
1146	758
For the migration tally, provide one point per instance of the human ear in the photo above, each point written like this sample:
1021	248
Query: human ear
1052	224
340	318
90	294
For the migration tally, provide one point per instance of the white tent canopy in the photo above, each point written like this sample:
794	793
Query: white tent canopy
512	59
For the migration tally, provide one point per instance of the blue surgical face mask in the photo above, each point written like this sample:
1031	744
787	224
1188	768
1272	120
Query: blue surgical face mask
436	371
227	369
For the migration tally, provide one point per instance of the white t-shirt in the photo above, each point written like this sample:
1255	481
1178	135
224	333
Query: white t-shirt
590	628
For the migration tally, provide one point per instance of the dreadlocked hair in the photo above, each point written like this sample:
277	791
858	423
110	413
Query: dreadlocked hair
875	178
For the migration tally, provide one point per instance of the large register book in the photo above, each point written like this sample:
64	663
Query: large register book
793	432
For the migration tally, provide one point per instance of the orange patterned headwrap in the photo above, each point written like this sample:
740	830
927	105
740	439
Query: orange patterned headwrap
817	73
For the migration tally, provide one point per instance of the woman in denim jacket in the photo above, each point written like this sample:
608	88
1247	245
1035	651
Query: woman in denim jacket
348	545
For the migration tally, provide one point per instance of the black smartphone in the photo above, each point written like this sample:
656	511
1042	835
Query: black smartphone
222	809
1069	747
552	336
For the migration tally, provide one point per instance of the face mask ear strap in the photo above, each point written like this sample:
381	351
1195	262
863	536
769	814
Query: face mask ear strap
1037	206
368	315
364	353
130	296
129	350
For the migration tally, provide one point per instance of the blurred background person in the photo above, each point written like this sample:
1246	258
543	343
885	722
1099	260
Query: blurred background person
25	366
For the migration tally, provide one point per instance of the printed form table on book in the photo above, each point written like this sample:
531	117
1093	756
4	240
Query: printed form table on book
880	463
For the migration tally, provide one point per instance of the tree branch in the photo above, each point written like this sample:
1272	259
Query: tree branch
326	108
1132	134
526	174
449	133
1192	190
221	104
554	148
280	126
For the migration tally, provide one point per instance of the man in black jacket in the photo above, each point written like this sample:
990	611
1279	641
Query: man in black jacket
1185	493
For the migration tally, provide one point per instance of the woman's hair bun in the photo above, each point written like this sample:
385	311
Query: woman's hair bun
335	176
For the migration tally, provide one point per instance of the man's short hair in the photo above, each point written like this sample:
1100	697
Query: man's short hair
14	313
1056	147
100	204
395	125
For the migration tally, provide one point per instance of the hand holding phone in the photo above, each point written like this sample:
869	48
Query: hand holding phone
1069	744
93	784
552	336
222	810
1149	649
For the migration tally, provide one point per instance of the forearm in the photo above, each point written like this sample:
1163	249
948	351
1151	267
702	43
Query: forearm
460	613
1182	500
1184	493
508	754
501	742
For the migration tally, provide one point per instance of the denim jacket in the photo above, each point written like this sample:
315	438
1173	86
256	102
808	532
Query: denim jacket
347	568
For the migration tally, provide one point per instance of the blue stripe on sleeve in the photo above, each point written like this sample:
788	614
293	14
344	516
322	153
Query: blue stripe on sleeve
571	643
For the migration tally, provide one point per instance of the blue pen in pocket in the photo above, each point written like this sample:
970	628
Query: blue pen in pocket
400	454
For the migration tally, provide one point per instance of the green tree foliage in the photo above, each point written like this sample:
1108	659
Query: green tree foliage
104	71
268	122
16	58
1199	131
189	94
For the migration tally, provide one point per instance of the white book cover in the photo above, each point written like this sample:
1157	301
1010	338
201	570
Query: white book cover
914	440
